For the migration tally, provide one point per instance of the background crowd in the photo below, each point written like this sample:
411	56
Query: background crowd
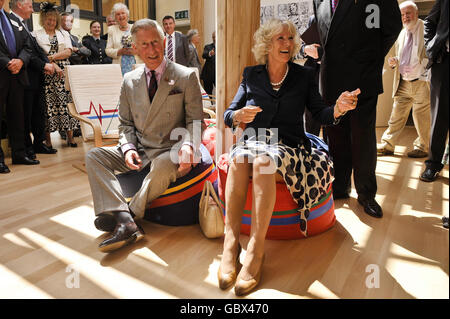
35	95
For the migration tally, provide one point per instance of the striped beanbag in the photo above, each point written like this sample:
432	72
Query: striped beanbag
178	205
284	223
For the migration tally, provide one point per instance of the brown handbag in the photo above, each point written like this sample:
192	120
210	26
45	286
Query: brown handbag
210	213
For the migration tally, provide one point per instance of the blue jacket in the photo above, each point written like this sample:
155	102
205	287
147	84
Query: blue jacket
283	109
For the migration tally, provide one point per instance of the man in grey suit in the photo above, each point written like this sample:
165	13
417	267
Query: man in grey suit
177	44
160	114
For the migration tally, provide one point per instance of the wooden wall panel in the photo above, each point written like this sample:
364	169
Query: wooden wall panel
138	9
237	21
197	11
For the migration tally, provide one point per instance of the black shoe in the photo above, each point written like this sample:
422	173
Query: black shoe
429	174
44	149
339	195
25	161
3	168
445	222
105	223
371	207
71	144
124	234
31	154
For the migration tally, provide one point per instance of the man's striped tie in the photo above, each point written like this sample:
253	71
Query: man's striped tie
170	49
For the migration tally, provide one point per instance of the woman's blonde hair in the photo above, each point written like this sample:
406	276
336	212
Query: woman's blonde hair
263	38
44	14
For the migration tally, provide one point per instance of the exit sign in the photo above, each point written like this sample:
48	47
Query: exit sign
181	14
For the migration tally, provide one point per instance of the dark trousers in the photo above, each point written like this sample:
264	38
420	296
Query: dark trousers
353	146
439	113
11	95
34	110
208	86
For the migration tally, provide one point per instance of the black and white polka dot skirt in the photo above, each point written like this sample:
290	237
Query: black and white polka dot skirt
308	176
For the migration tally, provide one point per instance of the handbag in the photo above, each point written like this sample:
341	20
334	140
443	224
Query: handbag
210	213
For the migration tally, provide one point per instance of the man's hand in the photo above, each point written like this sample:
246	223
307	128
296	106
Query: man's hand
347	101
185	159
49	69
15	65
393	62
246	114
212	52
75	49
133	160
311	50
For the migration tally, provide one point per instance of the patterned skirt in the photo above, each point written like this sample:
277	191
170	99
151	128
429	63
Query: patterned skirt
307	175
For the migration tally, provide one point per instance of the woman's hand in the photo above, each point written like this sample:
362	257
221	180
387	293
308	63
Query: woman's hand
347	101
246	114
125	51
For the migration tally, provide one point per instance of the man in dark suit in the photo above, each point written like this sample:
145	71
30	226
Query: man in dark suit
79	52
177	44
208	74
436	42
356	35
14	56
34	107
313	53
109	22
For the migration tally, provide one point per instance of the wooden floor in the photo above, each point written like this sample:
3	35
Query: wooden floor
47	237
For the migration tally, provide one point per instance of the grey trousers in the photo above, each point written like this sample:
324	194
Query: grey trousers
103	163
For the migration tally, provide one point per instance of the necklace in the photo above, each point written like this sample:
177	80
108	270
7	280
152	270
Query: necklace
284	77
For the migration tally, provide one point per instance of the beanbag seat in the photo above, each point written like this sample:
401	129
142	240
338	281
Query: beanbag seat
179	204
285	220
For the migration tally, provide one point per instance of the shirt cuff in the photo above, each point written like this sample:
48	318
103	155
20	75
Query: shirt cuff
127	147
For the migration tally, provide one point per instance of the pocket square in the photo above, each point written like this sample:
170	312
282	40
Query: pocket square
175	91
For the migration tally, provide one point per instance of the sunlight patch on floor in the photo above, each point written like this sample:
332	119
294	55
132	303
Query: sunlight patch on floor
109	279
320	291
408	270
17	241
80	219
13	286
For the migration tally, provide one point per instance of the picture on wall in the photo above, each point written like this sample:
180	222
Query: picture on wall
296	11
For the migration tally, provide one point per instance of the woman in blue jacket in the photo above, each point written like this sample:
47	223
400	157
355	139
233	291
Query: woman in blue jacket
270	102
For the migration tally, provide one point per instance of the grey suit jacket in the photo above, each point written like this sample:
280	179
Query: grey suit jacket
182	53
176	104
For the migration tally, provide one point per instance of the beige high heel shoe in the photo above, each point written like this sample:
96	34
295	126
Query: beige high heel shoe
226	280
243	287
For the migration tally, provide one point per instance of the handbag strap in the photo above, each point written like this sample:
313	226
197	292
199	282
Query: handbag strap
212	192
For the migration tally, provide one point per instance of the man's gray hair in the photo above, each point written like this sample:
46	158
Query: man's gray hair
408	3
146	24
13	3
191	33
119	6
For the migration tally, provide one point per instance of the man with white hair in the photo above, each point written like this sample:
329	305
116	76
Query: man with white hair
411	89
155	101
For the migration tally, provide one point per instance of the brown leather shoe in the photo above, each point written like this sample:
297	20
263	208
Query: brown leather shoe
226	280
124	234
243	287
